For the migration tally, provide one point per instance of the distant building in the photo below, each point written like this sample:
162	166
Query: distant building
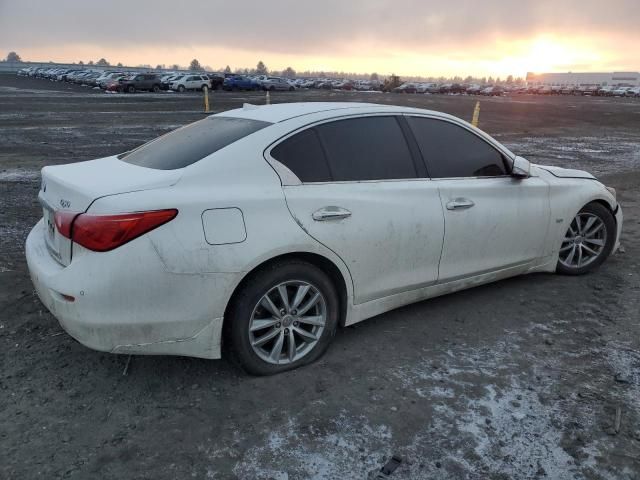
630	79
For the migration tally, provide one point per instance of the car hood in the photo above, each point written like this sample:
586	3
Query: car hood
566	172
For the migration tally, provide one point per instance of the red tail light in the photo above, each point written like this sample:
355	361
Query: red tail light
102	233
64	220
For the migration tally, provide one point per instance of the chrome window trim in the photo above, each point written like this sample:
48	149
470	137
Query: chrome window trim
288	178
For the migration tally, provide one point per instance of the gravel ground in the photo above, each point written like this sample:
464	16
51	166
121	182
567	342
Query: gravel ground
518	379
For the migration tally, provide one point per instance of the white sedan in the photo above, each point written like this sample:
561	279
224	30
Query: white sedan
258	231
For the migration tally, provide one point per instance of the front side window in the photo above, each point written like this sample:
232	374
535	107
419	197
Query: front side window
452	151
366	148
193	142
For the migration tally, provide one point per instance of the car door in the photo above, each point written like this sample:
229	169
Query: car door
359	189
146	82
493	221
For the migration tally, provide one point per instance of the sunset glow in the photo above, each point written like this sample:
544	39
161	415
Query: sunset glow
348	37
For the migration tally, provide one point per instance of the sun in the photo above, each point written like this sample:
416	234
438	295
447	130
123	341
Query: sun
543	54
547	55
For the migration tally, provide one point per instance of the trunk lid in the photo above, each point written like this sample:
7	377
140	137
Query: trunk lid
73	187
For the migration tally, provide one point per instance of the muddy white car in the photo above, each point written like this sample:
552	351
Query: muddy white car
258	231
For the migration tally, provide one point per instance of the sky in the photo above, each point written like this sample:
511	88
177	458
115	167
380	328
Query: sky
406	37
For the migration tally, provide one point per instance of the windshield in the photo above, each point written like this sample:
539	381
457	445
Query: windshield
193	142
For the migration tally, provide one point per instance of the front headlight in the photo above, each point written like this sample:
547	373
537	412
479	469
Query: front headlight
612	191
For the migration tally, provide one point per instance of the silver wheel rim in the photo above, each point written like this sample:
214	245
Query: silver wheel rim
584	241
287	322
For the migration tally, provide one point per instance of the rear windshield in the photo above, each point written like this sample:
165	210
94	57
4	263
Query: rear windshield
191	143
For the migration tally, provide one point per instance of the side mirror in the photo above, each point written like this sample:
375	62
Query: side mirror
521	168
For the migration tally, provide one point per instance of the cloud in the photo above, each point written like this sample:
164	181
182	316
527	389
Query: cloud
298	28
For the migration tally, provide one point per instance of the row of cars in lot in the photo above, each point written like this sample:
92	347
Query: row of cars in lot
497	90
450	88
129	82
590	90
126	81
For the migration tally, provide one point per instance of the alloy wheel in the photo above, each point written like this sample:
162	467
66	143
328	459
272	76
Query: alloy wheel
287	322
584	241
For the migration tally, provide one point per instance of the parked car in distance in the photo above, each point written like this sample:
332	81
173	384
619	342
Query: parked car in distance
190	82
140	81
494	91
270	226
105	80
474	89
240	82
165	81
276	83
620	91
216	80
633	92
406	88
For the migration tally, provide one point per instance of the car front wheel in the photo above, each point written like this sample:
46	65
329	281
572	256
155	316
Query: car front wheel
588	241
283	317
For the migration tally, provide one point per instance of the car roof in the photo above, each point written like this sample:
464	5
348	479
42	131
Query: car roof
301	114
285	111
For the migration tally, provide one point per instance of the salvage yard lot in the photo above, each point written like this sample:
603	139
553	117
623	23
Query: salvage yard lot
518	379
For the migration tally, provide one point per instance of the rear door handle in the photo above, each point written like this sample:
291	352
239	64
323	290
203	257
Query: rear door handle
330	213
459	204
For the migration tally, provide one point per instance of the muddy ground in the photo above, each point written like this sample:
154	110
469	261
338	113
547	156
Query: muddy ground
519	379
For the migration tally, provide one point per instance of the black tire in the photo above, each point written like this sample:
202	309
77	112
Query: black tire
181	88
156	88
272	88
240	311
291	89
131	89
607	218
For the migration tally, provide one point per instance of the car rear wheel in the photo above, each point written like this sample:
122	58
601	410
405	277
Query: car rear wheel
283	317
181	88
131	89
156	88
588	242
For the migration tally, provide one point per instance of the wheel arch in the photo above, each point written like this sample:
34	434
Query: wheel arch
605	204
325	264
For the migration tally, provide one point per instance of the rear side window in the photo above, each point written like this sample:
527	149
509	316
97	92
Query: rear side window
452	151
303	155
367	148
193	142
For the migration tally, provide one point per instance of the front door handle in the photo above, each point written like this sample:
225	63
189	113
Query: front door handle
459	204
330	213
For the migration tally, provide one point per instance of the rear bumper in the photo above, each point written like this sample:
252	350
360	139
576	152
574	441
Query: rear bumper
126	301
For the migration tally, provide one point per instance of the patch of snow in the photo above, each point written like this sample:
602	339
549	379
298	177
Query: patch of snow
19	175
348	449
